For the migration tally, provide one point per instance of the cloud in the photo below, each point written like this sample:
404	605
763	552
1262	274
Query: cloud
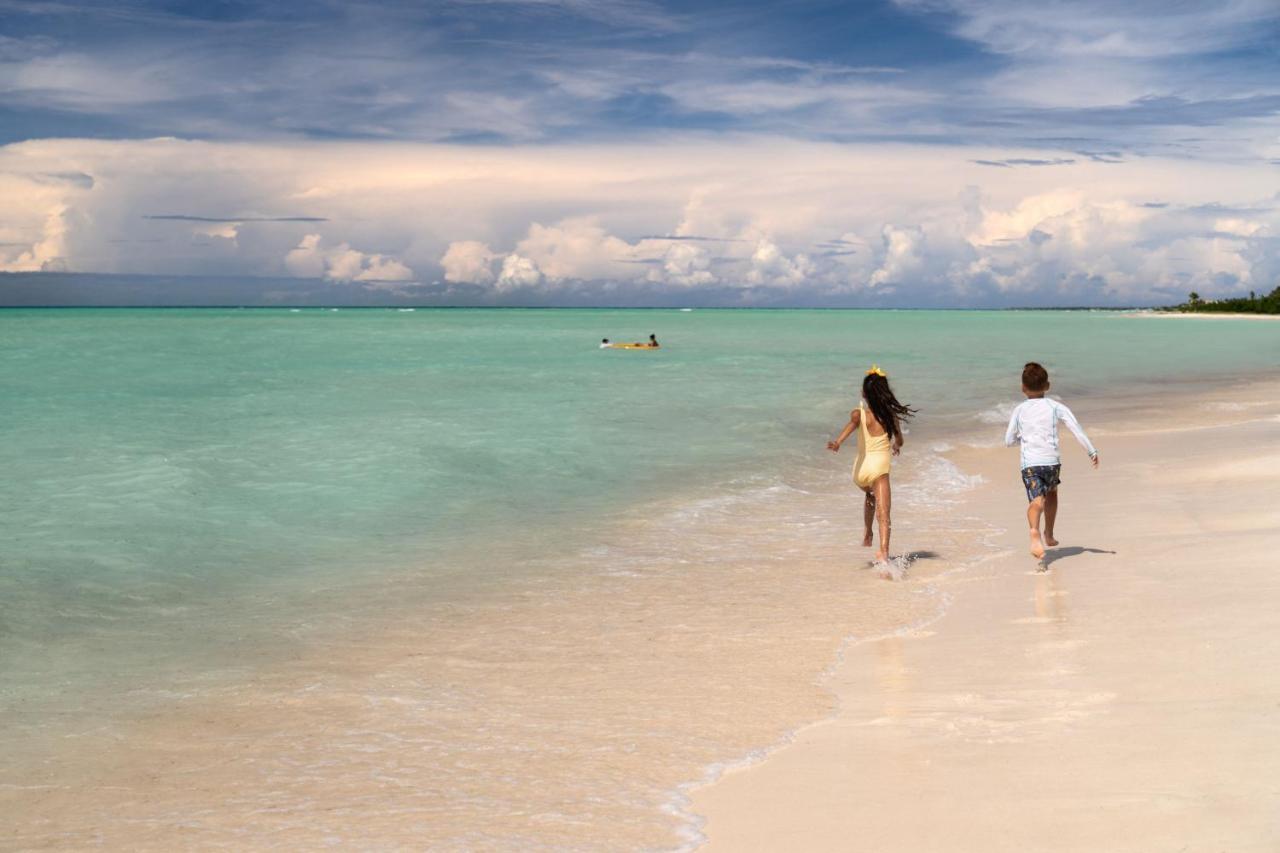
312	259
469	261
1156	110
689	237
48	252
518	272
684	265
771	267
746	221
580	249
1024	161
20	49
987	72
182	217
1136	29
903	256
576	248
1103	156
76	179
615	13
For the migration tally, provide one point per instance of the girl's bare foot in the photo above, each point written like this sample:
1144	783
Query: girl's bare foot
1037	549
882	557
1049	541
868	540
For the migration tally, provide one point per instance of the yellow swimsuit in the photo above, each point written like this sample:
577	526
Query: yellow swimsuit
873	454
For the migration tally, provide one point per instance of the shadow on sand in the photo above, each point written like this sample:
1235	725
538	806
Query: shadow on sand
1053	555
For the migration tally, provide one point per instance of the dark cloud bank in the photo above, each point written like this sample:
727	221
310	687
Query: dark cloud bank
66	290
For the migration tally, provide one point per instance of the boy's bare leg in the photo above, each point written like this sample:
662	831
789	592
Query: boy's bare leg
1050	514
1034	512
868	516
883	499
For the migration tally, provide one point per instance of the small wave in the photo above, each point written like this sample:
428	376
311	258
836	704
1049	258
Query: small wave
997	414
703	507
894	568
936	481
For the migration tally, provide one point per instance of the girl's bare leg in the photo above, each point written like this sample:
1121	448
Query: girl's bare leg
868	515
883	498
1050	514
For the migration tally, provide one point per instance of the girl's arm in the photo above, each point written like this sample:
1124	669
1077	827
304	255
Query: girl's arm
897	442
854	417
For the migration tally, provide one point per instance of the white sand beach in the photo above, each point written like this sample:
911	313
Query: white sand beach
1123	700
1205	315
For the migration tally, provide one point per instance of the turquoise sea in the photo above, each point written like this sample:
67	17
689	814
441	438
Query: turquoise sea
190	496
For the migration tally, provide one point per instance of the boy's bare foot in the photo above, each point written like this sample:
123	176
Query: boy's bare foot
1037	549
868	540
1049	541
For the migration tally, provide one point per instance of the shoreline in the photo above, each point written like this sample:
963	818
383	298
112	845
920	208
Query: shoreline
949	723
1204	315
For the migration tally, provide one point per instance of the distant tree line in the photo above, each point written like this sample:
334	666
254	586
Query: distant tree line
1251	304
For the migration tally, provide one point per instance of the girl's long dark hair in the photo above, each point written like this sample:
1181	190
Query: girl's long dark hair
888	411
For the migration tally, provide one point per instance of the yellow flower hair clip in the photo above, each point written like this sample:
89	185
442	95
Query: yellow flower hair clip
875	368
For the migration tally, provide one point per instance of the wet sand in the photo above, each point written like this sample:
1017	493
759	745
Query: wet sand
1125	699
569	711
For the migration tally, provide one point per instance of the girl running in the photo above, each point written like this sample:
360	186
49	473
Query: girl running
878	420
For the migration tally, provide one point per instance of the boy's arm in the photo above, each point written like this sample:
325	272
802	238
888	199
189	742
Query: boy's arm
1011	434
1065	415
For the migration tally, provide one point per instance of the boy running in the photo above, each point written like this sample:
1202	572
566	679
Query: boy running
1034	425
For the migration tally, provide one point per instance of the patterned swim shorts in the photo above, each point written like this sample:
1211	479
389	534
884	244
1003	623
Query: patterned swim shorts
1041	479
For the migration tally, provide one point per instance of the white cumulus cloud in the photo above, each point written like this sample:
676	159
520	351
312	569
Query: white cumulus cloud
744	221
313	259
518	271
469	261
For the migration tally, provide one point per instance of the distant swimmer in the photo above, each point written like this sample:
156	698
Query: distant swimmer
652	343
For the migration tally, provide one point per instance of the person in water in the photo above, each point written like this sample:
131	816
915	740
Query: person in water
604	344
878	419
653	342
1034	427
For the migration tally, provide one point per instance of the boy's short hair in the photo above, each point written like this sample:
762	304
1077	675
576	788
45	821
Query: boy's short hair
1034	377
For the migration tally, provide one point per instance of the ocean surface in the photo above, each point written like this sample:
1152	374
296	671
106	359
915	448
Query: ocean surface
474	531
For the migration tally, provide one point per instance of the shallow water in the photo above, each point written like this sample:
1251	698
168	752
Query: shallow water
465	553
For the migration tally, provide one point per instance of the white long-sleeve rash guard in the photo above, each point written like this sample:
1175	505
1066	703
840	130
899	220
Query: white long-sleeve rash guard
1034	425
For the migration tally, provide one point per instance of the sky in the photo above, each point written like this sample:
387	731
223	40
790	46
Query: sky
911	153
